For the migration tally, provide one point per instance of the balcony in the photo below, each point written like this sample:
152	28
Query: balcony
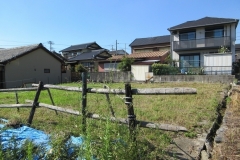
201	43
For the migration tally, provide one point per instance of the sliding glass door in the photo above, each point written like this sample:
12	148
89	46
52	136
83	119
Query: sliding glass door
189	61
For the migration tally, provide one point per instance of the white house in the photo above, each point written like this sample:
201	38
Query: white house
193	41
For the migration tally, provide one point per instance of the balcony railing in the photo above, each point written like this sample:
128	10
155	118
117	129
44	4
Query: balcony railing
201	43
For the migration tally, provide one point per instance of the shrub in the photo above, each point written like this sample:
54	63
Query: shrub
80	68
163	69
125	64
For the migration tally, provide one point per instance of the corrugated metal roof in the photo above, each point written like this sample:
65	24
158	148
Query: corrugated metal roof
150	40
206	21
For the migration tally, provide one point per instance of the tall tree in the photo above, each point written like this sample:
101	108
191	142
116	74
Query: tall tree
125	64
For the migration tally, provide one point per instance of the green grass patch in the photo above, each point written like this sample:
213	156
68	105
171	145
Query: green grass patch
107	140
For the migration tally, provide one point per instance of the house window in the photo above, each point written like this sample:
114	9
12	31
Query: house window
74	54
187	62
46	70
214	33
143	50
110	66
87	64
187	36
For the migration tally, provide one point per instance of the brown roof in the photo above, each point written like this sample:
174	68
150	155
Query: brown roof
142	55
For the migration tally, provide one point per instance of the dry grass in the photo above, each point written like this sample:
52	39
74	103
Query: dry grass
230	148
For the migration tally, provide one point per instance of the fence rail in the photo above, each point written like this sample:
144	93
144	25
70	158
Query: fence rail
131	118
144	91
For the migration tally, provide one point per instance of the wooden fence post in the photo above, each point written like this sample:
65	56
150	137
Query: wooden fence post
49	93
84	101
131	116
17	102
35	103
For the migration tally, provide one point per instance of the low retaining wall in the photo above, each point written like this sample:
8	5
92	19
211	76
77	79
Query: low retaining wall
110	76
126	77
195	78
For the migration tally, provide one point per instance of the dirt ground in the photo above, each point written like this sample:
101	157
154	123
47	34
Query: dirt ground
227	142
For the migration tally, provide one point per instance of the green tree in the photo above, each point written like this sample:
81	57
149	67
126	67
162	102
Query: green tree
80	68
125	64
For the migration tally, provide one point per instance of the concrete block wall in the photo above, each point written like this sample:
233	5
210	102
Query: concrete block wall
195	78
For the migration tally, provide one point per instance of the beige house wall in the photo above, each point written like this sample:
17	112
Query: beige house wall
30	68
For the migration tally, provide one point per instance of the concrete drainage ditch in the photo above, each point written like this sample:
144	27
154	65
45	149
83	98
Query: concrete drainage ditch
199	148
214	134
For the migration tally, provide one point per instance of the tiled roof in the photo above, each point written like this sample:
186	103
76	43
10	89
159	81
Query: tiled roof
206	21
13	53
80	46
119	52
142	55
59	56
91	55
150	40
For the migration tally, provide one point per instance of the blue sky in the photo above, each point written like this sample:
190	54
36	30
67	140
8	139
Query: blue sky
70	22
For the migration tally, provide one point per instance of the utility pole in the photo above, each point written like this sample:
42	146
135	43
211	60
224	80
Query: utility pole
50	43
116	46
125	49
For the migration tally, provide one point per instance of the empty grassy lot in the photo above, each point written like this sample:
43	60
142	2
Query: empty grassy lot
187	110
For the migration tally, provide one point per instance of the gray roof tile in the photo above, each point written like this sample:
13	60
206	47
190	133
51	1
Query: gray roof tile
150	40
119	52
206	21
9	54
80	46
91	55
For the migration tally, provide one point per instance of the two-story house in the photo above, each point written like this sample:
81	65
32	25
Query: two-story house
237	49
75	50
150	44
193	41
151	49
145	52
87	54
